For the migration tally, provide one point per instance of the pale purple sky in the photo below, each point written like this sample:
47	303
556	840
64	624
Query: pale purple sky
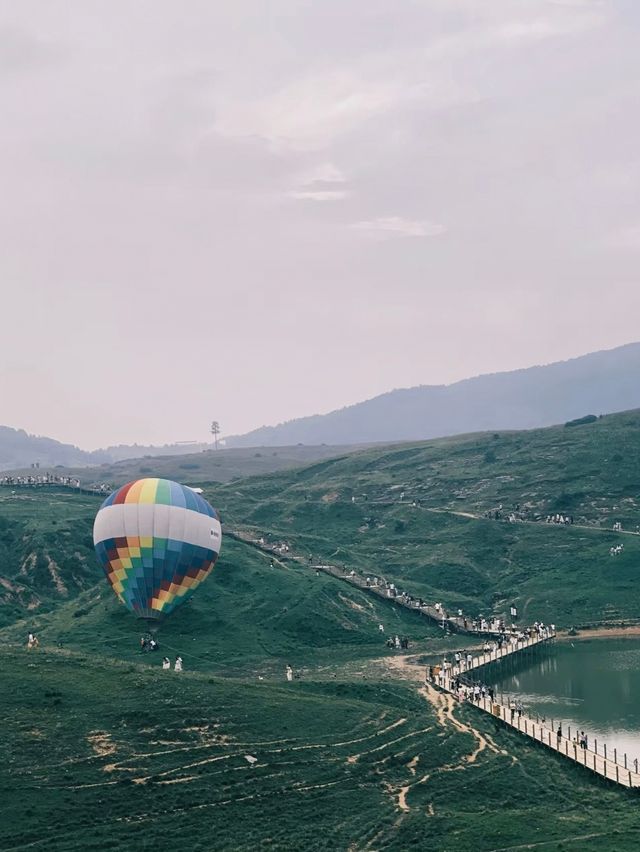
258	210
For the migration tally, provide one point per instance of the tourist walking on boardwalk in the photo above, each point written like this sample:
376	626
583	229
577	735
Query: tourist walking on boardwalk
559	734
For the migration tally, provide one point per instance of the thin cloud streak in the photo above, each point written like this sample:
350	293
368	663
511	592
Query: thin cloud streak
399	226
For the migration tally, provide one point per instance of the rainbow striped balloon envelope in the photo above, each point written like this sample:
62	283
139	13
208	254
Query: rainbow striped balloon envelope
156	541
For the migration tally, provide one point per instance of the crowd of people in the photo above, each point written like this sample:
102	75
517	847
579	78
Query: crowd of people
148	643
558	518
41	479
448	676
400	643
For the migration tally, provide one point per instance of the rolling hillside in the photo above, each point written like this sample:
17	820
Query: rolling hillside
247	617
221	465
106	755
598	383
46	550
104	750
359	510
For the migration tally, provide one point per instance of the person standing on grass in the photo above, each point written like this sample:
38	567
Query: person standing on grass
166	663
177	667
289	672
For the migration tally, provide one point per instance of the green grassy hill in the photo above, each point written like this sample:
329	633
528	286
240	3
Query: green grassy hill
46	550
444	547
246	618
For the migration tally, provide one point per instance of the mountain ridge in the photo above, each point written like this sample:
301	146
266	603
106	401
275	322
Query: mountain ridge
600	382
20	449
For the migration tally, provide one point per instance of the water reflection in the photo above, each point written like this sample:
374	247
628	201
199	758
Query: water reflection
587	685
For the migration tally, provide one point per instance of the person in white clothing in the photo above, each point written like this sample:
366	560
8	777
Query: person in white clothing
178	664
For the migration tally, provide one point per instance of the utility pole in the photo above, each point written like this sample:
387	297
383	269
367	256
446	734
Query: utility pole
215	431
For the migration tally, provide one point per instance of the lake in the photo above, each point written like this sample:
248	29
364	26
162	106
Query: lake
592	685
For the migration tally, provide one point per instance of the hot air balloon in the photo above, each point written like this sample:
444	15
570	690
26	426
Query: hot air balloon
156	541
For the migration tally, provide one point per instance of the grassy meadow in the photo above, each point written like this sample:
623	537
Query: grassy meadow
104	750
99	753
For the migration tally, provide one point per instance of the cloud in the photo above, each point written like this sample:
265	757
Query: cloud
320	194
399	226
323	173
324	182
308	113
311	113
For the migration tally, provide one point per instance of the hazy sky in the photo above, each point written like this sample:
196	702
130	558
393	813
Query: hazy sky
252	211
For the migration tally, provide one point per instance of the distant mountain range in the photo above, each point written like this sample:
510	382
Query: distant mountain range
18	449
598	383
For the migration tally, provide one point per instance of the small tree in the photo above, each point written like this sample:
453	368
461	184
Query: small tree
215	431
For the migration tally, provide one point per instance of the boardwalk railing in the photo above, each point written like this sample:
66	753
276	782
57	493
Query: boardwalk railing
607	765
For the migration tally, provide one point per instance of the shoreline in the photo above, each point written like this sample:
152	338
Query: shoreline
600	633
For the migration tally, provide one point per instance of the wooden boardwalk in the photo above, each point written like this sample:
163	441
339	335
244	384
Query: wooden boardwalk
376	586
599	760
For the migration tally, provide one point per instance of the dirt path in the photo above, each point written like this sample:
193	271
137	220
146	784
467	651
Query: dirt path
443	703
444	706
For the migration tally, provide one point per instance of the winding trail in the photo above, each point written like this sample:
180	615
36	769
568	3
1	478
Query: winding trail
444	706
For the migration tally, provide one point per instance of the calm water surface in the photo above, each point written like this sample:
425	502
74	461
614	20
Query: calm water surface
593	685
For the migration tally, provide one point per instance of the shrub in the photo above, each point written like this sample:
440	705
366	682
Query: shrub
581	421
